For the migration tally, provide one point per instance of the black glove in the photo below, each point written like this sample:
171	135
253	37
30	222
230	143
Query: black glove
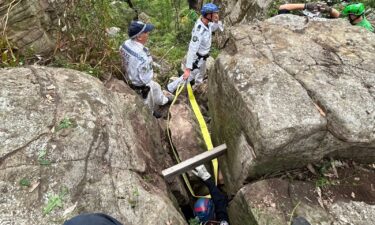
324	8
312	6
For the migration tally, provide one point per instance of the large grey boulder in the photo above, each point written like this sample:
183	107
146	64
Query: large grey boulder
64	134
288	91
184	129
277	202
242	11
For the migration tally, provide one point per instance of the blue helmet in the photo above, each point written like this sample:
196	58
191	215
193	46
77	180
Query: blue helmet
137	27
209	8
204	209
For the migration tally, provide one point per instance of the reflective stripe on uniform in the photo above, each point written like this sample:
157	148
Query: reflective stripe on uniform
131	52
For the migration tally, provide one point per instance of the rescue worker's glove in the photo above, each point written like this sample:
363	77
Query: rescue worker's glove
324	8
201	171
311	6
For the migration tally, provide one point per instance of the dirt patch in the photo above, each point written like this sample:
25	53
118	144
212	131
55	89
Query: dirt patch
356	184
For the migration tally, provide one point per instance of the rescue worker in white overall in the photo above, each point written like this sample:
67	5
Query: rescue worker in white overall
137	65
199	47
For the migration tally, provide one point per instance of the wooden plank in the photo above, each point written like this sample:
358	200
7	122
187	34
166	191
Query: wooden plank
197	160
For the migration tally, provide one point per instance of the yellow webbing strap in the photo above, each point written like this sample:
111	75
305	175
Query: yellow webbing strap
203	126
204	130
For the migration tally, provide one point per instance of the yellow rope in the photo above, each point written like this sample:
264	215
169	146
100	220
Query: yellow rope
204	130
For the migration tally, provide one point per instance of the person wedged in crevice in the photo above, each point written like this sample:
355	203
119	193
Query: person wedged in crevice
210	211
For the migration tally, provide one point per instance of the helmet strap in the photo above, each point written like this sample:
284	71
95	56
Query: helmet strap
352	21
205	20
209	19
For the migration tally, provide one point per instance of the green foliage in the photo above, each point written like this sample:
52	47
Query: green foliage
274	8
322	182
173	22
86	45
324	168
83	42
24	182
42	155
368	3
214	51
55	201
147	178
135	192
194	221
64	124
9	58
133	199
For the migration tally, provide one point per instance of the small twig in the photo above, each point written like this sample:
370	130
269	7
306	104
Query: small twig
6	17
123	75
101	60
291	215
166	54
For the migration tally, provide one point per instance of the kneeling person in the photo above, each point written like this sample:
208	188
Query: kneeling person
137	64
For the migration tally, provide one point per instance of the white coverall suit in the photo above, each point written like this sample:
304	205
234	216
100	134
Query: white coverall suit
200	44
137	63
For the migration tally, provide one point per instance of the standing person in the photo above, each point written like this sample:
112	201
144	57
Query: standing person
199	47
214	210
137	64
356	16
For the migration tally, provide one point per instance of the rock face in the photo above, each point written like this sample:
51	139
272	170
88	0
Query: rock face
185	131
31	23
64	134
241	11
288	91
276	202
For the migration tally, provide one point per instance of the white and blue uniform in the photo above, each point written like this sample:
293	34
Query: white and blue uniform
200	44
137	63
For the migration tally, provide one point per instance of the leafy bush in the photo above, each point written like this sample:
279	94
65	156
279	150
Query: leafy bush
8	57
84	43
24	182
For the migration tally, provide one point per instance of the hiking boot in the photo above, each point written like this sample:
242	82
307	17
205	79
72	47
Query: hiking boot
300	221
167	90
157	114
169	96
170	81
